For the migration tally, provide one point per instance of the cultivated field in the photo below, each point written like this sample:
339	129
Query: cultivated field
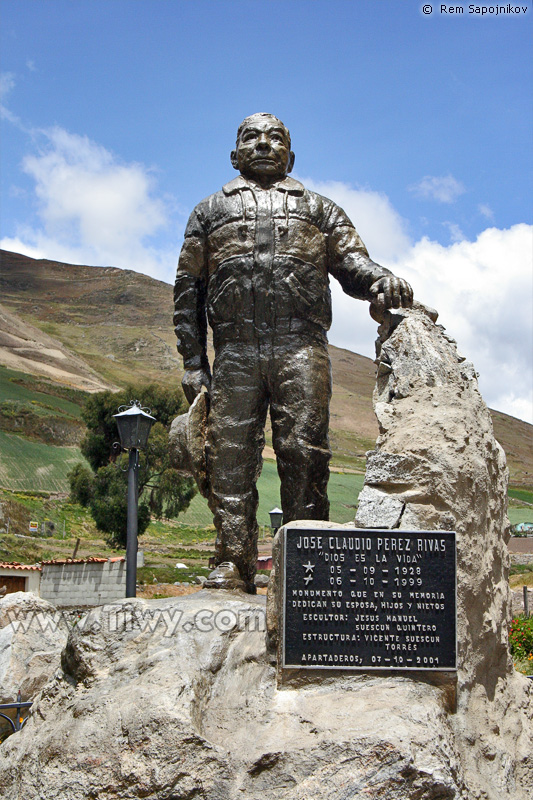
26	465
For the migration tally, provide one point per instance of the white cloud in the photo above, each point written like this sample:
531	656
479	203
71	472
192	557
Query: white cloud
94	209
517	406
16	245
456	234
380	226
444	189
7	83
483	291
486	211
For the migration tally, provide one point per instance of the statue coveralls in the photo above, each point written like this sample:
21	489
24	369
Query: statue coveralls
255	263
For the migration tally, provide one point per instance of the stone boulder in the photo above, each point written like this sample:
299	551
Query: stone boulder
177	698
437	465
32	636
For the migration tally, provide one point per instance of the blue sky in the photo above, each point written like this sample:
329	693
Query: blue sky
118	117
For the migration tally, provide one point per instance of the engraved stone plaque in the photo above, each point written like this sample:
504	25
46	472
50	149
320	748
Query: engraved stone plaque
369	599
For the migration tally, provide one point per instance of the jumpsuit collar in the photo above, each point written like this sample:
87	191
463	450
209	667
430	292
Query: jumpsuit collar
288	185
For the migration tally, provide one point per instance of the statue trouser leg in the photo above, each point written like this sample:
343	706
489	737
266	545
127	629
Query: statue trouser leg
235	443
300	392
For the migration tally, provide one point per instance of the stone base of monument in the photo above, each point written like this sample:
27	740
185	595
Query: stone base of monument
178	698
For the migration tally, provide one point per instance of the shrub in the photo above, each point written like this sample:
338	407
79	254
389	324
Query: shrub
521	639
80	480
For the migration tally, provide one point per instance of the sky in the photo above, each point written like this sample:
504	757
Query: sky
118	117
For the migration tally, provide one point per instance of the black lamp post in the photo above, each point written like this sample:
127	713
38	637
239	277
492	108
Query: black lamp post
276	518
134	426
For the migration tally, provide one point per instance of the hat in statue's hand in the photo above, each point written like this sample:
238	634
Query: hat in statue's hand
187	442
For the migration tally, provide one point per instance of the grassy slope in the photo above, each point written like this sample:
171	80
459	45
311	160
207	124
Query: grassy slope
17	387
164	542
343	491
27	465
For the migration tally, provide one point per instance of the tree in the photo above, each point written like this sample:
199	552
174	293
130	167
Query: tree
97	446
81	484
162	490
109	505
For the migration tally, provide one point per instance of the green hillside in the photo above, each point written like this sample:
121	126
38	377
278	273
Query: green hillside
39	409
26	465
29	461
343	491
27	392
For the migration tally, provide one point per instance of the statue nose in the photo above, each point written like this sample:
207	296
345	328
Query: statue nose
263	143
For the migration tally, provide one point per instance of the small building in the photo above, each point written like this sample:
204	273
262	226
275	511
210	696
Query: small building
17	577
84	581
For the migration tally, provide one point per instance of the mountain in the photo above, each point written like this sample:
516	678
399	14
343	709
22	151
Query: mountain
88	328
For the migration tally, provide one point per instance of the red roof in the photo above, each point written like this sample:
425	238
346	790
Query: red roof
16	565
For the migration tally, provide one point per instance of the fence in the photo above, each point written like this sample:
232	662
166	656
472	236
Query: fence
19	720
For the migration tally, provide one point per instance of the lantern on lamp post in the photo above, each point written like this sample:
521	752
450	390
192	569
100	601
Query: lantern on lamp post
276	518
134	424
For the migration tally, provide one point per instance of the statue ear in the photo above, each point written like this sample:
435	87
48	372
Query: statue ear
290	165
233	159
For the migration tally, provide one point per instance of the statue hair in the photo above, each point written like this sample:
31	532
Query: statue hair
262	114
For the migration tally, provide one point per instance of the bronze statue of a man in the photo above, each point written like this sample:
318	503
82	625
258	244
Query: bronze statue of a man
255	263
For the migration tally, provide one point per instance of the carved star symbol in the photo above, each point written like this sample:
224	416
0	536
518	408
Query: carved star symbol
309	570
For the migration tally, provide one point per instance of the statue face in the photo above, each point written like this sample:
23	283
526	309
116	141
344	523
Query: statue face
263	150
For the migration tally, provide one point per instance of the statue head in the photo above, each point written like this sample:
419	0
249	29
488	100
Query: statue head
263	149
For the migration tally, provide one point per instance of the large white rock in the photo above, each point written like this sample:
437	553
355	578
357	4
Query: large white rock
178	699
437	461
32	636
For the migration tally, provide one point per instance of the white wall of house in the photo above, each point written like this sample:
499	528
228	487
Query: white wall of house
33	580
88	583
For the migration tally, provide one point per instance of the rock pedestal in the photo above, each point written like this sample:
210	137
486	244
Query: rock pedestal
438	465
177	699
